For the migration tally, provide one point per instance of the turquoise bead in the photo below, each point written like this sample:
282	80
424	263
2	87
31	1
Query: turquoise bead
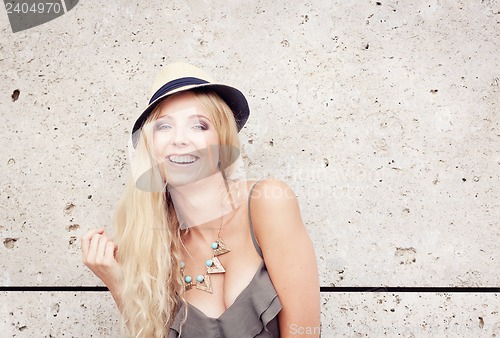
200	278
188	279
209	263
215	245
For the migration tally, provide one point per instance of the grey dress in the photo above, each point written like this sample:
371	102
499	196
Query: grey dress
254	312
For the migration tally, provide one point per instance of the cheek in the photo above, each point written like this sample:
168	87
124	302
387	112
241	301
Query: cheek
211	139
159	143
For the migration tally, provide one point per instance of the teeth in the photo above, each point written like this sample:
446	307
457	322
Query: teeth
182	159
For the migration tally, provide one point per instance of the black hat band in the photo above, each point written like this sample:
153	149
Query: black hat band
174	84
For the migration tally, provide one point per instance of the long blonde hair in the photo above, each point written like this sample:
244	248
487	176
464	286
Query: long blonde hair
147	231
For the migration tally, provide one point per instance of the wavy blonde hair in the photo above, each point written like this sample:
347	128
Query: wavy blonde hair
148	235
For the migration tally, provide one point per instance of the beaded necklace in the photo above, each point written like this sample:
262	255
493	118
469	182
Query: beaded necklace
213	265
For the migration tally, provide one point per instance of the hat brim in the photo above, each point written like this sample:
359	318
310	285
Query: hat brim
232	96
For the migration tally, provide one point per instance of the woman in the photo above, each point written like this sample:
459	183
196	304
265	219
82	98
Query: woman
198	251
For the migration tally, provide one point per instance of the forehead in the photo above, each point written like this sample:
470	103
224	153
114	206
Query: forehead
181	104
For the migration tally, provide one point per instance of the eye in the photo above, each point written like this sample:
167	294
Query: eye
163	126
200	126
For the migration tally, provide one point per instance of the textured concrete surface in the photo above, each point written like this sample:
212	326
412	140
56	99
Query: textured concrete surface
51	315
411	315
383	116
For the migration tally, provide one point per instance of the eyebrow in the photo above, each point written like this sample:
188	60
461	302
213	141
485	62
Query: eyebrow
198	116
190	117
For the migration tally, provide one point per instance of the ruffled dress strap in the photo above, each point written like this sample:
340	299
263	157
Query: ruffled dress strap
252	233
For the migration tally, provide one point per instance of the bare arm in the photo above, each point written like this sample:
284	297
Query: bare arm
289	257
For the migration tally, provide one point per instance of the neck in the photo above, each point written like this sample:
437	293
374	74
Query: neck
201	204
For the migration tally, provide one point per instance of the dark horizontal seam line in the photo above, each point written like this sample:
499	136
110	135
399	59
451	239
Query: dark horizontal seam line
401	289
416	289
53	288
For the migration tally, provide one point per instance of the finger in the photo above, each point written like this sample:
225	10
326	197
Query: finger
93	249
104	233
101	249
109	255
90	233
85	241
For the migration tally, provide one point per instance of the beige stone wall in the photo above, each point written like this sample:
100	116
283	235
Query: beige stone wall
383	117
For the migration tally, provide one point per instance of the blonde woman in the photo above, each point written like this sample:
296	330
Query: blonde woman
200	251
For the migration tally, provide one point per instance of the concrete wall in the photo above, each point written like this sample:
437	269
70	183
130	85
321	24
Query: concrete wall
383	116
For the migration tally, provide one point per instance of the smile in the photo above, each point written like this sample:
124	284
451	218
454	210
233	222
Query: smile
182	159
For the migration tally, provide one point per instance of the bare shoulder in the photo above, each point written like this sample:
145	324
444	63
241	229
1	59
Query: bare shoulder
273	205
269	190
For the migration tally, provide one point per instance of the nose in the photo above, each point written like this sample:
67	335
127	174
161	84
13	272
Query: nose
179	137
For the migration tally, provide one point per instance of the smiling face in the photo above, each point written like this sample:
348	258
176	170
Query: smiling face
185	139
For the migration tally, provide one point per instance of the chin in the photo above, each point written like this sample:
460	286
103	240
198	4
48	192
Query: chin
179	180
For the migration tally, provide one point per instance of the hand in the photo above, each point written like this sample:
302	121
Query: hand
98	254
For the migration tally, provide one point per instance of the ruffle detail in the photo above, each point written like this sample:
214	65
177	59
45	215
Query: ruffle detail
269	319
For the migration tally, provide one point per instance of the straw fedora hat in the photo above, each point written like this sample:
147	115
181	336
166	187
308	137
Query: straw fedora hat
178	77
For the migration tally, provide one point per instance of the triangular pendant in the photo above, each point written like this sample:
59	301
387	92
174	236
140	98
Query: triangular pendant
222	248
205	285
216	266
